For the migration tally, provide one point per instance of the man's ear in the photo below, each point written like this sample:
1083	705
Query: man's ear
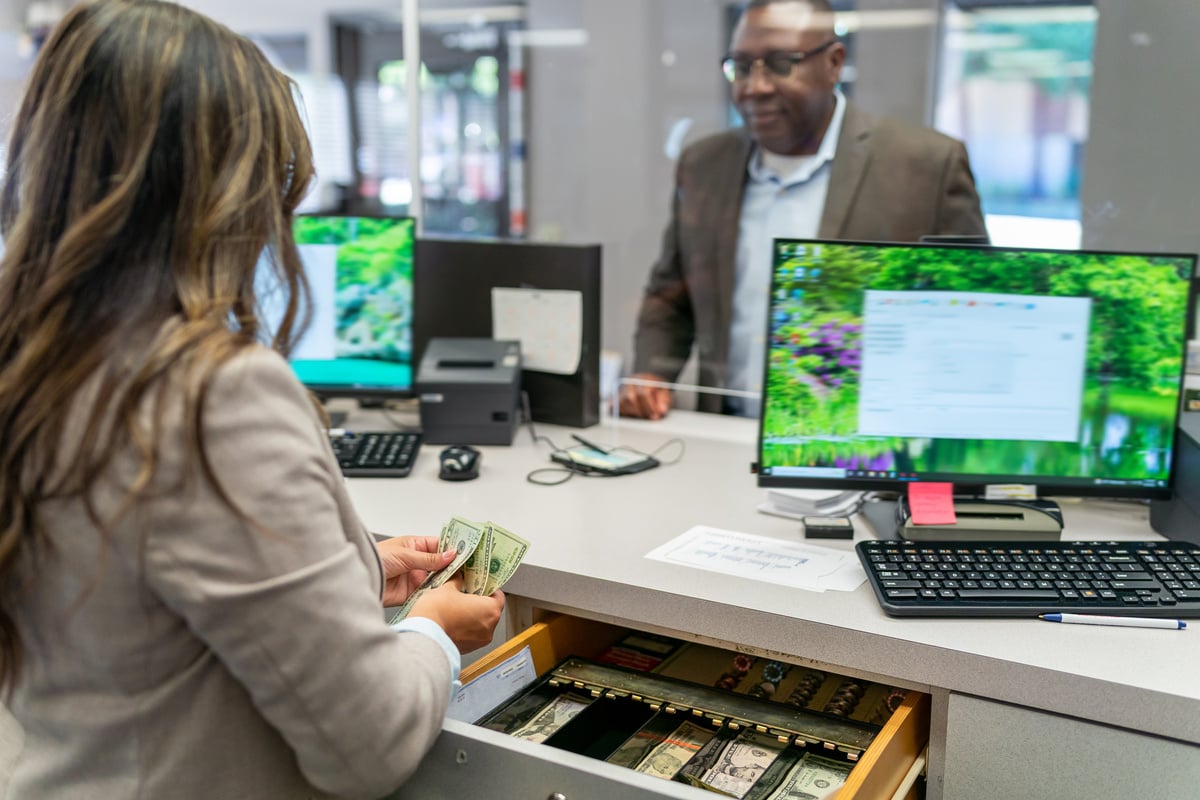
836	60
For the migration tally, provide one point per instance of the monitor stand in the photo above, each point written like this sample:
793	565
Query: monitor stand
977	520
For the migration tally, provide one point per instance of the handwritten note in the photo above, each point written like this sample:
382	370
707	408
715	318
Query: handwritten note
548	323
745	555
932	503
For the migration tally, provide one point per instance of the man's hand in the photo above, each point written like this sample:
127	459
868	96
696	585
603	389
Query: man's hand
647	402
407	560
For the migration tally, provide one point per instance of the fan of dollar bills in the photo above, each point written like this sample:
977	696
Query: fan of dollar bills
487	554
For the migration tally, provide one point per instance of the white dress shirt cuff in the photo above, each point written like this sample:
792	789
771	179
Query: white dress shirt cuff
435	632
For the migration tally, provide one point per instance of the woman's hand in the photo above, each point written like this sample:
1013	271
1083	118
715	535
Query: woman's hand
468	619
407	561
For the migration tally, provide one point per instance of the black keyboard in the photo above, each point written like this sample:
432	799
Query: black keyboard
1023	579
384	454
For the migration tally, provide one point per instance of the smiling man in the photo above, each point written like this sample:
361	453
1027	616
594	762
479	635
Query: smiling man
806	164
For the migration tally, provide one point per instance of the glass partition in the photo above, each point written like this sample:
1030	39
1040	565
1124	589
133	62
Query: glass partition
567	120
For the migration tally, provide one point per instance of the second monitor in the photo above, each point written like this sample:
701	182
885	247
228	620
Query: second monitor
359	340
889	364
454	298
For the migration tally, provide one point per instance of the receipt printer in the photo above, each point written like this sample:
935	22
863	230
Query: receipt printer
469	390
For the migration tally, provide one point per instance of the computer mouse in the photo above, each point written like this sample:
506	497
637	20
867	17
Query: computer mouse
459	462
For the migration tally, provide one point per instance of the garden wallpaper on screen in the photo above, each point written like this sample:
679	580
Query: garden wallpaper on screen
1131	381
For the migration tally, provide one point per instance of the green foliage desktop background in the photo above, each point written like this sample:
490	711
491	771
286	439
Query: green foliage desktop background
1134	359
373	304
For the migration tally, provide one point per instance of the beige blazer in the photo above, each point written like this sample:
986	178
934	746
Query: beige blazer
194	656
889	181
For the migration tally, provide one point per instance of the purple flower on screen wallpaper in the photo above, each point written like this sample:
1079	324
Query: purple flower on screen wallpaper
881	463
831	351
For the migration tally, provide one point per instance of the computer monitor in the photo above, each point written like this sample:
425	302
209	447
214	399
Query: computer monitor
359	342
454	299
893	363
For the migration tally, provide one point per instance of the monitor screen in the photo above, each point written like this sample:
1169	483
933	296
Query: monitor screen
891	363
359	340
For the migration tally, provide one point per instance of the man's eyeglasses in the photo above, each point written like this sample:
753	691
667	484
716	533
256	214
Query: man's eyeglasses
738	68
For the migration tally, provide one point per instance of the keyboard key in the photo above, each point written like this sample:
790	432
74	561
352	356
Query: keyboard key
893	584
382	454
1007	594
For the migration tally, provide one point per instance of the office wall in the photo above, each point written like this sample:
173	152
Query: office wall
601	119
11	14
895	56
12	66
1141	169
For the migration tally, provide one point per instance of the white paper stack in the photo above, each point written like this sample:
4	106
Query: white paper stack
797	503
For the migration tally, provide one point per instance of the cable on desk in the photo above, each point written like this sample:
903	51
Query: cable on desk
565	472
664	446
395	423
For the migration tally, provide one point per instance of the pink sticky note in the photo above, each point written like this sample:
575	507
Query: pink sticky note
931	503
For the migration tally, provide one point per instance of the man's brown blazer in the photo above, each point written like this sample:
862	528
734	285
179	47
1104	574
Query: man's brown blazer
890	181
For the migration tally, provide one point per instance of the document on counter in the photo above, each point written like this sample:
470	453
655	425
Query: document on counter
489	690
801	566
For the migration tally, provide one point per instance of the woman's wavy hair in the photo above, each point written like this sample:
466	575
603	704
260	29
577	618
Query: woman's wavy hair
155	157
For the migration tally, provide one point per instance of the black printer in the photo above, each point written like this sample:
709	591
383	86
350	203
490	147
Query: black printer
469	391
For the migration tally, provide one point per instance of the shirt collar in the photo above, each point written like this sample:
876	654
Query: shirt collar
789	170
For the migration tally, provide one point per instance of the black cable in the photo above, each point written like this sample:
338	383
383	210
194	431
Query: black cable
528	420
395	423
567	471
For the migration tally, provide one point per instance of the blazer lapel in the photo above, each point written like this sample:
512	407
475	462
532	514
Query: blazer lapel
729	180
846	174
728	192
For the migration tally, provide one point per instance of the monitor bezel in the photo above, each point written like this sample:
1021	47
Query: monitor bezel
326	391
977	488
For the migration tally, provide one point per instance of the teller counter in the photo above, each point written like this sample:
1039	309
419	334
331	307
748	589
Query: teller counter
1016	708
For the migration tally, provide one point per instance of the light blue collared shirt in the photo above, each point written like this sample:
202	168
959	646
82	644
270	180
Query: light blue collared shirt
435	632
784	198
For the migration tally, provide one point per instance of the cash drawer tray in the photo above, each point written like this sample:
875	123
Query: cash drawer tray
880	769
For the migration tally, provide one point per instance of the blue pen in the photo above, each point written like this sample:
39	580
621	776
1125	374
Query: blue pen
1127	622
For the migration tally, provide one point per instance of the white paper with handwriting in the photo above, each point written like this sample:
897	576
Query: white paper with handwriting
802	566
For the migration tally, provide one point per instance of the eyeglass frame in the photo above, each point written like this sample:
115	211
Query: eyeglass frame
729	62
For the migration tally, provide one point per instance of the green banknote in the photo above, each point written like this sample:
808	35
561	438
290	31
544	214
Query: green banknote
508	550
464	537
487	554
475	571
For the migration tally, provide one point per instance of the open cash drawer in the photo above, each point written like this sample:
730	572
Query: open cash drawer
504	755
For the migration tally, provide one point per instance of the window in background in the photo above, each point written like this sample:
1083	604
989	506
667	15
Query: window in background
1014	85
324	109
470	119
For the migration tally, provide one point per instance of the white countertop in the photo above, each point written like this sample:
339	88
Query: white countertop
589	538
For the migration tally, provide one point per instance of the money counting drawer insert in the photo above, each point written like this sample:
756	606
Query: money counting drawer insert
807	730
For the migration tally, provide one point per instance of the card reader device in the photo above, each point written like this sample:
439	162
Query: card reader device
469	391
984	520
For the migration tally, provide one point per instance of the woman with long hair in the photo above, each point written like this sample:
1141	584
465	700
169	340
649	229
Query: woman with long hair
189	606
